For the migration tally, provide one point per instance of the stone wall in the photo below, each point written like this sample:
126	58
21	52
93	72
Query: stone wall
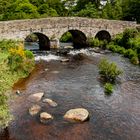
57	26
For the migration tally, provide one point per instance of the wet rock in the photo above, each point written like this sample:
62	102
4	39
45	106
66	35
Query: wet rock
44	117
68	47
36	97
46	69
18	92
50	102
79	57
62	52
65	60
34	110
78	114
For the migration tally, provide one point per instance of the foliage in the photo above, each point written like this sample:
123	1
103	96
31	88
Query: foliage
128	44
95	42
113	9
66	37
130	53
108	88
109	71
11	54
5	45
131	10
134	60
127	35
89	11
20	60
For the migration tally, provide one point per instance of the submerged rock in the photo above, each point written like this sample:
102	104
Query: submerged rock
34	110
65	60
79	57
44	117
36	97
50	102
78	114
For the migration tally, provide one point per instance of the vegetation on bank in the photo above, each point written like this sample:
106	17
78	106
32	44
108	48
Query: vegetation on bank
126	44
15	63
108	9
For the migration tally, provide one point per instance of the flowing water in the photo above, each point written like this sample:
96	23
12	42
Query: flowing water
76	84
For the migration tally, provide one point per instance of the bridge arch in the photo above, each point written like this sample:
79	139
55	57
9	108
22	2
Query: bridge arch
78	38
103	35
42	39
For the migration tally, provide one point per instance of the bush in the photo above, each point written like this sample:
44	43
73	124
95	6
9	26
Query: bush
118	39
108	88
127	34
20	60
134	60
130	53
66	37
112	47
93	42
109	71
5	45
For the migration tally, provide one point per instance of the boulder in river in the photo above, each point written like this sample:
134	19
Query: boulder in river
34	110
78	114
44	117
50	102
36	97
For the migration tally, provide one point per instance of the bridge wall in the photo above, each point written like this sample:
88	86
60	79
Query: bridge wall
57	26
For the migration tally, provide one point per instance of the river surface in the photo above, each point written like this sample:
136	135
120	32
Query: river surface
76	84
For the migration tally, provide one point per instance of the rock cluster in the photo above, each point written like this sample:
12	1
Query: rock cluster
77	114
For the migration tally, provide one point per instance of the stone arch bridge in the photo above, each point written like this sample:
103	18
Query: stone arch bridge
46	28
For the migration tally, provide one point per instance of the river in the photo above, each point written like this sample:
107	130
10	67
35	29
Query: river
76	84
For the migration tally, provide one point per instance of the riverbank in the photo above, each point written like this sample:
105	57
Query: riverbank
10	72
75	84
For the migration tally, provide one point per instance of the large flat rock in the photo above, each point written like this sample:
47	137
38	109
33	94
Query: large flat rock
36	97
50	102
78	114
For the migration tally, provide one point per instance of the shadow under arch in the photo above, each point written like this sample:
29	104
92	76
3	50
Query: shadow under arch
78	38
103	35
43	40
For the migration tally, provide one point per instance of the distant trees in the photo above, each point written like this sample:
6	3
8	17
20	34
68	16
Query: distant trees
110	9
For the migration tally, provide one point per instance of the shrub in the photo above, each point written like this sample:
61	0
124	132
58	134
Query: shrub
130	53
109	71
112	47
20	60
29	54
118	39
5	45
108	88
127	34
93	42
121	50
67	37
134	60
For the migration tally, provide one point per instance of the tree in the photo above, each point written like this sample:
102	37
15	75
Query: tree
131	10
112	10
21	9
90	10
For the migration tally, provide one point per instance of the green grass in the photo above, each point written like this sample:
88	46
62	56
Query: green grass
8	76
7	79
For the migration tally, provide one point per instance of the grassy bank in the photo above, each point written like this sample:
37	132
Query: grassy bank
15	63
